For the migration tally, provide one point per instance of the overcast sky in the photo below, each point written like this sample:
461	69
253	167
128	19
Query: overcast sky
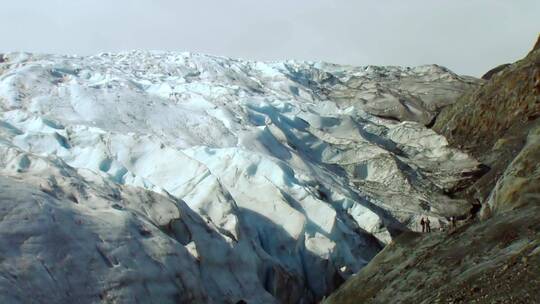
468	36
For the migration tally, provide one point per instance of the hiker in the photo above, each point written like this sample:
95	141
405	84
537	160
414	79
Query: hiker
423	223
452	222
428	227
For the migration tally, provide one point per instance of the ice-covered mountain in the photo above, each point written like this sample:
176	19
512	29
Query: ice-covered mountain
179	177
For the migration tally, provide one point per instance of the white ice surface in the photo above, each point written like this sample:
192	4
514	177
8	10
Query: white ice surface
180	177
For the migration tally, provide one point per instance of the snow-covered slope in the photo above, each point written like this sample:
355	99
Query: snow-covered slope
172	177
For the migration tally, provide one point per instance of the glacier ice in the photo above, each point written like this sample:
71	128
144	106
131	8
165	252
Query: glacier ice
182	177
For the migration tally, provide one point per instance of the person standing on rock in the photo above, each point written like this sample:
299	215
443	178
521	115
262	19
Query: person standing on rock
427	223
423	223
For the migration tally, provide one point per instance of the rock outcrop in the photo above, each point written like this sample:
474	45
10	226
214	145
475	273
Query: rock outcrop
496	70
492	122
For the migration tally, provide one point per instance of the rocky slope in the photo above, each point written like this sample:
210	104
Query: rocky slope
178	177
493	121
492	260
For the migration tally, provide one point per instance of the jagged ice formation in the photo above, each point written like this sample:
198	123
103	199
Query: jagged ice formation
180	177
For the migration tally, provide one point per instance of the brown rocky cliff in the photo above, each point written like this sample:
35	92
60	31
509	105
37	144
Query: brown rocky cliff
537	44
492	122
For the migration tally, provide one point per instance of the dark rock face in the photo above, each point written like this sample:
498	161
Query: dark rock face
494	71
537	44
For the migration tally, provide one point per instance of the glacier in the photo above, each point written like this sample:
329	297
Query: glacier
182	177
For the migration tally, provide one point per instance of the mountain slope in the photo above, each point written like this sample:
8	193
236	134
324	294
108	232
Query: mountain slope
179	177
492	122
493	260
